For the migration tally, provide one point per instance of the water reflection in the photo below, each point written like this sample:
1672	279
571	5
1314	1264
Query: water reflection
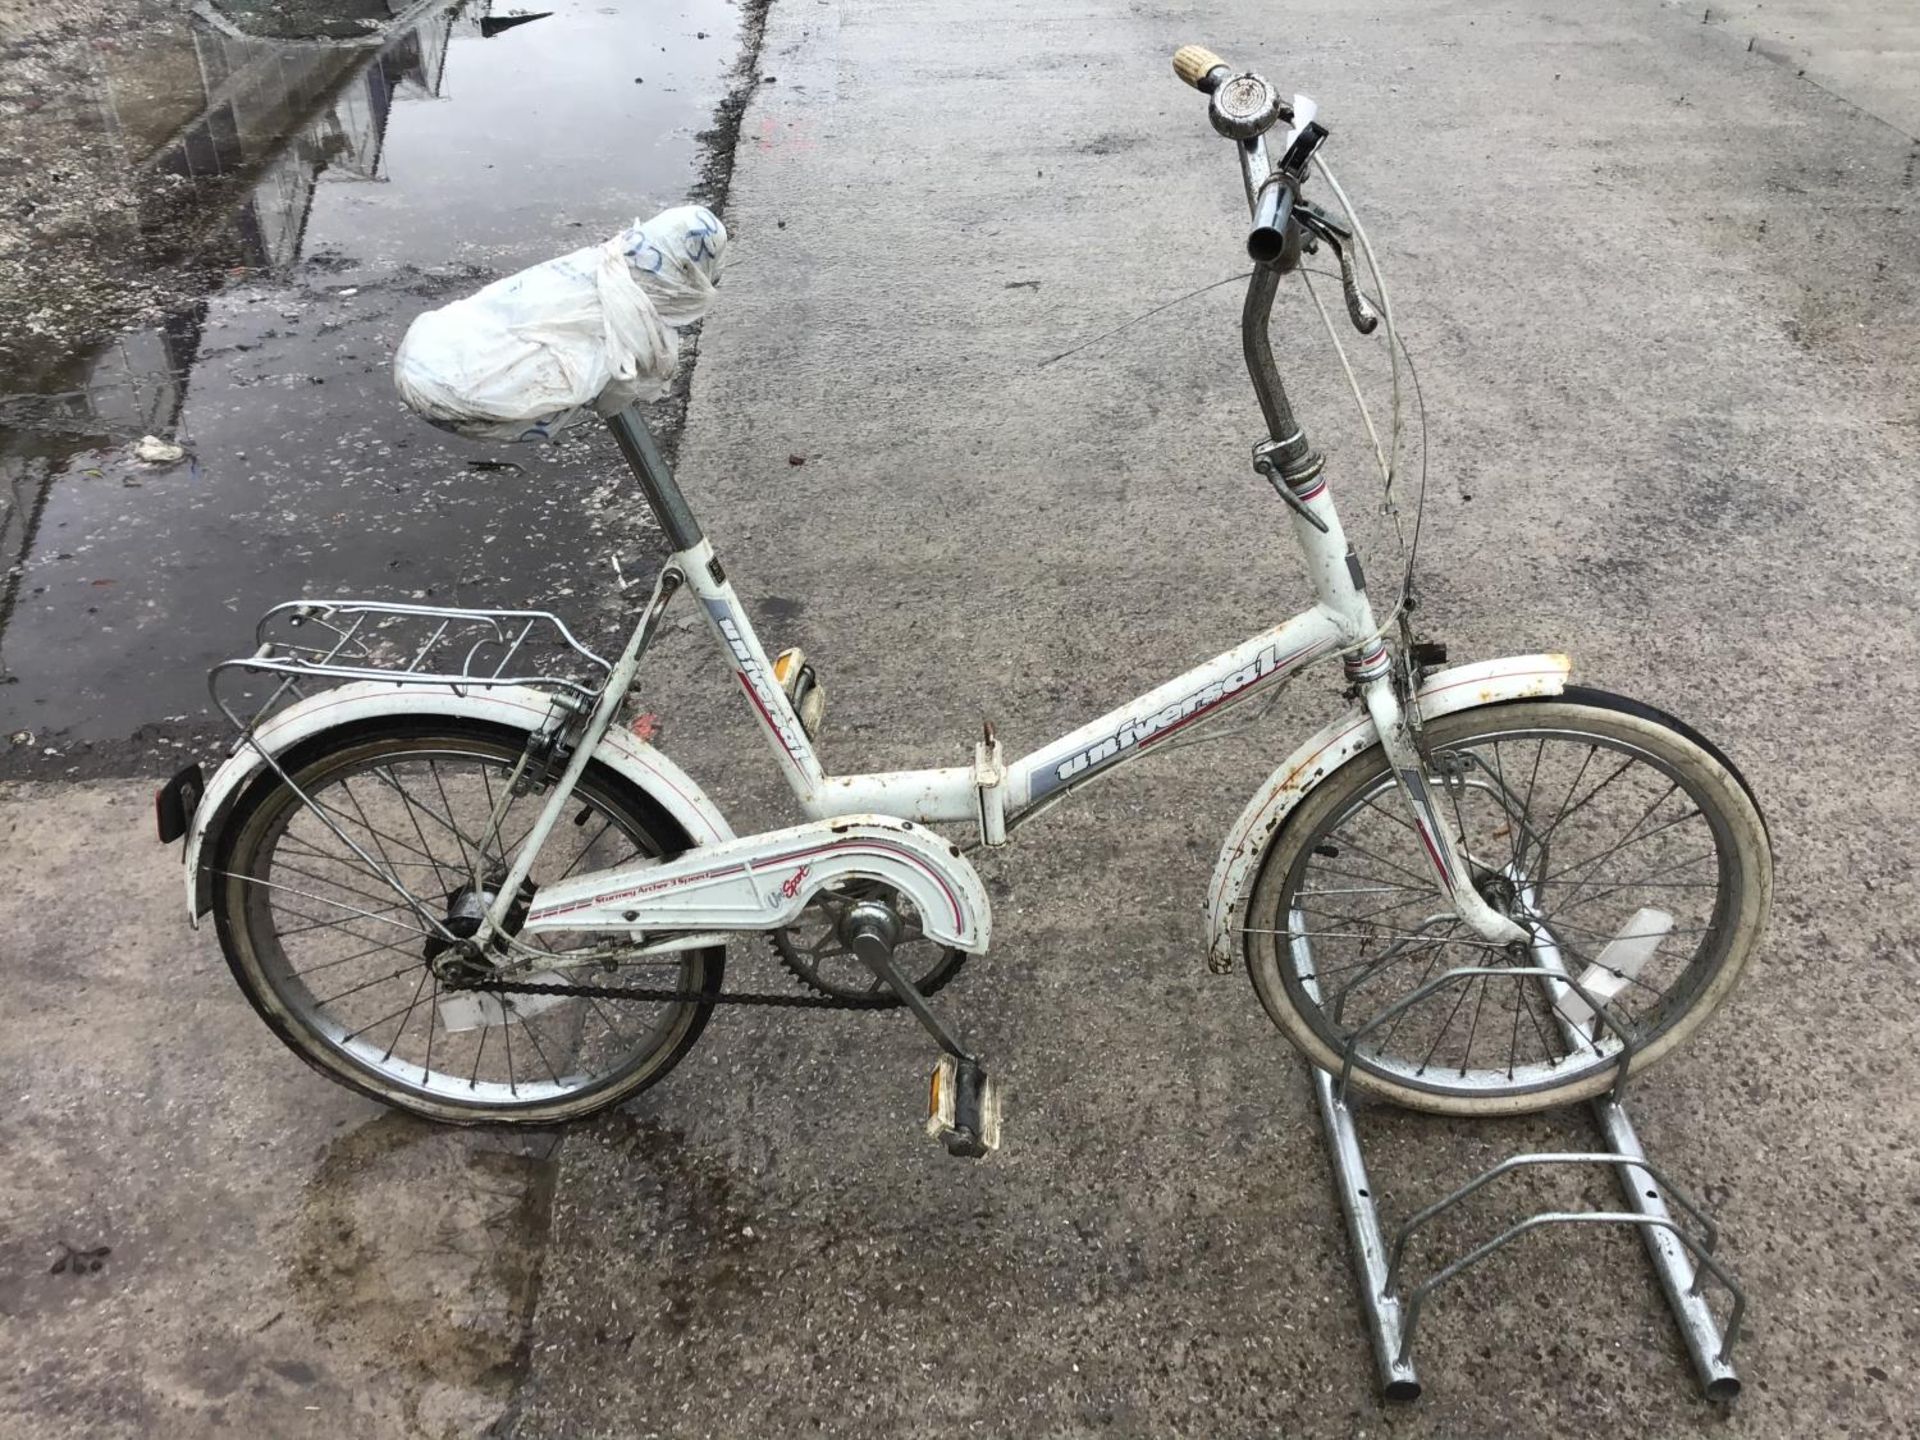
273	115
258	142
279	115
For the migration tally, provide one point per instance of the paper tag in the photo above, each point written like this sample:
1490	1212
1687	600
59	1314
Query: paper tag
1619	963
463	1010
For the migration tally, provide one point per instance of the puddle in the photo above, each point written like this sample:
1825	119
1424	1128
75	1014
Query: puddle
339	188
422	1246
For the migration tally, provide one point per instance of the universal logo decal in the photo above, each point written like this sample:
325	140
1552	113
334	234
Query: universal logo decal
1164	722
772	707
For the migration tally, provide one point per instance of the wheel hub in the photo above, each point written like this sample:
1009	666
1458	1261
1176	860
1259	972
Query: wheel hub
1498	890
458	958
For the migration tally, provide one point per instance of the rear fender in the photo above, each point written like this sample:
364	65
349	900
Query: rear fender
511	707
1517	677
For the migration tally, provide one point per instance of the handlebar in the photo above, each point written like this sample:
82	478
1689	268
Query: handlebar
1272	217
1244	108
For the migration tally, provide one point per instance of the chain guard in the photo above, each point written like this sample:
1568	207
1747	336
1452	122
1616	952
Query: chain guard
824	996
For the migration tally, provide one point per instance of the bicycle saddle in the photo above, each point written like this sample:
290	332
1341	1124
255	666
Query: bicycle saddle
526	356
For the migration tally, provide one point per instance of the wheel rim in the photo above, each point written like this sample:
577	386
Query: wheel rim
1611	830
342	955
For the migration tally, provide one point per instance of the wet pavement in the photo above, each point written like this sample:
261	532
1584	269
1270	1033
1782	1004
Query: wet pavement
1696	287
330	193
189	1244
197	1236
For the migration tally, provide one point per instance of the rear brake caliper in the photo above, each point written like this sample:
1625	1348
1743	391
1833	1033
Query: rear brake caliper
549	748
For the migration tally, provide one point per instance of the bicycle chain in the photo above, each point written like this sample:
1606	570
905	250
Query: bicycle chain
677	997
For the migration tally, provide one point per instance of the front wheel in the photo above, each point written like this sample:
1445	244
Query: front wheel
1623	842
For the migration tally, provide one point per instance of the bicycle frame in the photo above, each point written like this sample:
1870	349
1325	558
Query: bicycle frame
995	794
1033	781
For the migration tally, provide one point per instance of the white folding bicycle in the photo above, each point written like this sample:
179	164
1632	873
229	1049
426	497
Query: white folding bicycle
471	890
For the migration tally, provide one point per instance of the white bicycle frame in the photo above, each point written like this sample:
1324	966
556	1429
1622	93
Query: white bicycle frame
995	794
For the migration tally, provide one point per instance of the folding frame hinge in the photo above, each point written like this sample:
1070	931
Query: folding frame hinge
990	785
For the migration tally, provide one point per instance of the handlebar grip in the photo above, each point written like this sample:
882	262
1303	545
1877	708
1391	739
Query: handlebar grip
1267	241
1198	66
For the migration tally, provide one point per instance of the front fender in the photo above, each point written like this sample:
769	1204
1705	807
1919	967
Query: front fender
1517	677
513	707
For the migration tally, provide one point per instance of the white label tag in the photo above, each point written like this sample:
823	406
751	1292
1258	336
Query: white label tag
464	1010
1619	963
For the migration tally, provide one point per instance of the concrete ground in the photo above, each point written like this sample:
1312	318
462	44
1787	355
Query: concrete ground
258	1252
1864	51
1663	295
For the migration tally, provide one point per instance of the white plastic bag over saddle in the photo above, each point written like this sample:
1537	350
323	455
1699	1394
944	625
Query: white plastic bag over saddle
530	354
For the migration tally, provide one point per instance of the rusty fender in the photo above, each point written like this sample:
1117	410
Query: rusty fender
1517	677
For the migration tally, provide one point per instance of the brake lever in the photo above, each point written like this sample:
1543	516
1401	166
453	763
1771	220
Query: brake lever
1322	226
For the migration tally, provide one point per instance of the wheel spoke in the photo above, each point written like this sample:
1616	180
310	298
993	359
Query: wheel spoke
585	850
1473	1025
1356	919
338	884
1348	844
445	822
426	973
533	1035
1447	1024
324	900
1642	883
369	984
1631	840
467	859
348	959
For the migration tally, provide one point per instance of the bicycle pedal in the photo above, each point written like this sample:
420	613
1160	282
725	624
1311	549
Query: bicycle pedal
963	1107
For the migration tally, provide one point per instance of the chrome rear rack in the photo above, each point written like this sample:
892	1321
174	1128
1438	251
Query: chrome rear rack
303	642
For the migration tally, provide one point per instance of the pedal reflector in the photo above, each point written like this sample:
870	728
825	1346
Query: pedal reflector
963	1107
940	1096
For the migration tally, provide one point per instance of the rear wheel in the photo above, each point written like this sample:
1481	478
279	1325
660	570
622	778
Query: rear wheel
1599	825
337	962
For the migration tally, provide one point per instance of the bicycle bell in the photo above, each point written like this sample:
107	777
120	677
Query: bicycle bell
1243	107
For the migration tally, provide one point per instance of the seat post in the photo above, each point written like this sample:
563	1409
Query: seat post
650	468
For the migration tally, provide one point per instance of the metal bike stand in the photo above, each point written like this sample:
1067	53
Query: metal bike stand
1681	1258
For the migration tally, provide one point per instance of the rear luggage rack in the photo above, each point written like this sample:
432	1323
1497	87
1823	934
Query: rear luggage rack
342	641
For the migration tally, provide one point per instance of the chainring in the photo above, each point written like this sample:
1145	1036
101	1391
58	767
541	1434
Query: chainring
812	949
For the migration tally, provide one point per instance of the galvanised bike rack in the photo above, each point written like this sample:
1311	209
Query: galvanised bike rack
1682	1258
